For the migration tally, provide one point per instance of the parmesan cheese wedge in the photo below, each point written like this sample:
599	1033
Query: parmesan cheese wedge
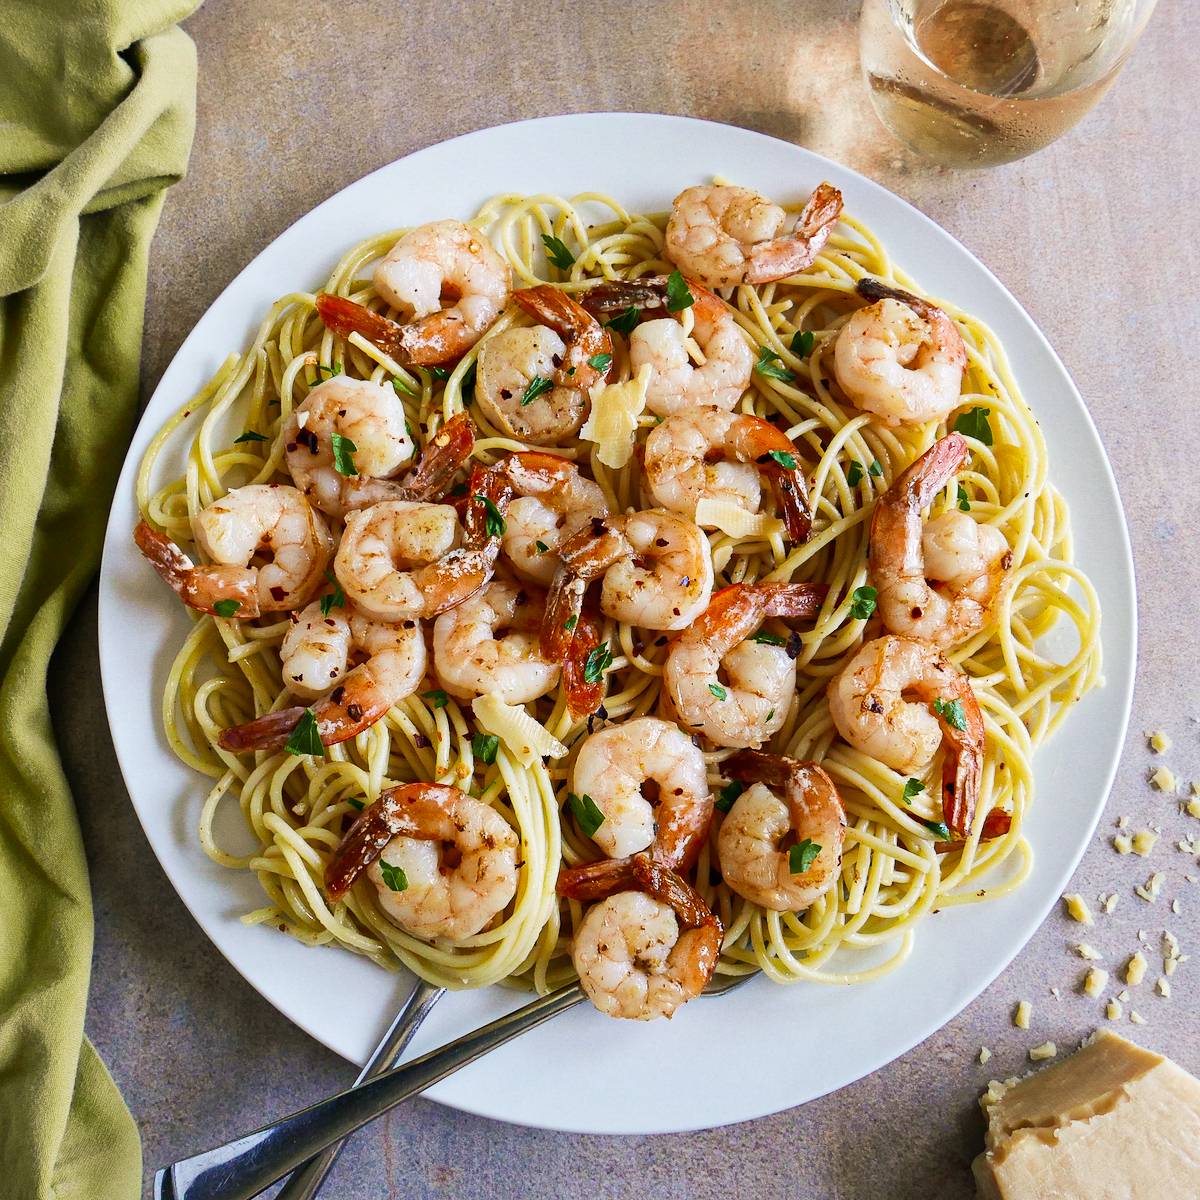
614	417
734	521
1112	1121
525	739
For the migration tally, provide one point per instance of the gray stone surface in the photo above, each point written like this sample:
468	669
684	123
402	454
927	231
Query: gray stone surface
1097	236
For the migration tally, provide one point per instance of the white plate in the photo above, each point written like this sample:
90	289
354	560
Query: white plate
780	1046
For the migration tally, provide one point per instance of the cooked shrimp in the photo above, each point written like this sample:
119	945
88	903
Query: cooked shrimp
867	700
489	643
649	780
441	259
371	420
656	568
681	471
790	805
259	519
726	235
317	652
642	953
553	501
900	358
402	558
733	690
532	382
451	859
938	581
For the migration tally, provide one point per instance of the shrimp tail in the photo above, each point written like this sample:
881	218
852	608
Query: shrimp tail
583	696
585	556
794	601
667	885
446	451
417	810
791	494
585	337
489	493
648	294
201	588
344	317
962	766
756	766
798	250
597	880
996	824
876	289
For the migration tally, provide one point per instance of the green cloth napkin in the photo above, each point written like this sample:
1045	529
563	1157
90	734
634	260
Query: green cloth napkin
97	107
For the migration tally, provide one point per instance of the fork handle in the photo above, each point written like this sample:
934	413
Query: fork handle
305	1182
242	1168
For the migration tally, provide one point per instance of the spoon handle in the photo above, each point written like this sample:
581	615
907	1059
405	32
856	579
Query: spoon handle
242	1168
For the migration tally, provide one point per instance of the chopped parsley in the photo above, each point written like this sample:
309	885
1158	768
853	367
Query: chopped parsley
912	788
770	364
542	548
570	623
335	599
728	794
536	387
938	829
440	372
768	639
784	459
974	424
718	691
357	805
584	809
394	877
625	322
249	436
436	697
951	711
854	474
226	608
802	342
557	252
964	501
494	524
601	362
597	662
862	602
343	455
679	295
875	469
484	747
801	856
401	387
305	738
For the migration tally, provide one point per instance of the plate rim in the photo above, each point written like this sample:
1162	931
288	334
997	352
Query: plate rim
1123	580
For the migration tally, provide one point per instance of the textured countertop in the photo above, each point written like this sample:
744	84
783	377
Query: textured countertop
1093	237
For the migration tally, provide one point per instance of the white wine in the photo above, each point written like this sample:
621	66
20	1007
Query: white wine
971	83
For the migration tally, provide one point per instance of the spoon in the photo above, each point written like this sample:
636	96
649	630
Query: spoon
242	1168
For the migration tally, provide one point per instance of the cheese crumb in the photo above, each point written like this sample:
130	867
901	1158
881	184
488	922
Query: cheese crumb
1151	888
1162	779
1169	965
1021	1016
1135	969
1143	842
1110	902
1088	952
1113	1010
1045	1050
1095	981
1136	1018
1159	741
1192	807
984	1054
1175	907
1163	988
1122	822
1123	995
1121	843
1077	908
1189	845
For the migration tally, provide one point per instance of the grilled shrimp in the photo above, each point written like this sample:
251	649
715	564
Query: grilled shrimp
376	446
900	358
938	581
317	653
532	382
709	454
735	691
402	558
656	568
867	700
489	643
780	845
259	519
642	953
444	865
724	235
649	780
553	501
441	259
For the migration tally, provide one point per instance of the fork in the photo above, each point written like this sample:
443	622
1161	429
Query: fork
242	1168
